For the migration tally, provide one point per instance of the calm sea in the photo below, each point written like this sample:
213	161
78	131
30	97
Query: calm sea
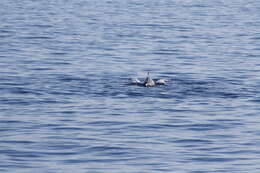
65	100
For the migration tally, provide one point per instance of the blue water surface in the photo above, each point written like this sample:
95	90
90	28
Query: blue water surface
65	100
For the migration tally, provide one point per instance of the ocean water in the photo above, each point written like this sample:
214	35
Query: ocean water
66	104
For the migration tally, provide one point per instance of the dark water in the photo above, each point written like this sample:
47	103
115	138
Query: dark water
66	106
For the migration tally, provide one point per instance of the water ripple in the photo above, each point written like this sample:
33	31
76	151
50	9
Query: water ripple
66	104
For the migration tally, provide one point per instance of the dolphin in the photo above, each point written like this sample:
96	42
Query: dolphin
148	82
